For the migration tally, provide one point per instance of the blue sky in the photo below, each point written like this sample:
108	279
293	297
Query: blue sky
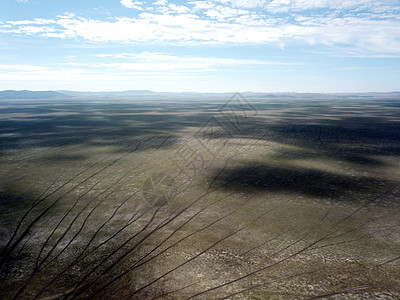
210	45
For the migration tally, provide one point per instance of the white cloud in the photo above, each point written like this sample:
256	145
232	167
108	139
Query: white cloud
178	8
29	68
200	5
161	2
167	61
145	64
298	5
37	21
222	13
132	4
124	67
32	30
234	22
80	72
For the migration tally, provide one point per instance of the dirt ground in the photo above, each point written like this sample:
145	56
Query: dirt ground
245	199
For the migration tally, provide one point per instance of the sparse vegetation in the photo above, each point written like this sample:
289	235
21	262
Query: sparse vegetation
277	199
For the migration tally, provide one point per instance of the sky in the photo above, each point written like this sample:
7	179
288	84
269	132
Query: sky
200	45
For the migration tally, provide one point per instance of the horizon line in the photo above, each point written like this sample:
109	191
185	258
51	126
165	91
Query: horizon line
197	92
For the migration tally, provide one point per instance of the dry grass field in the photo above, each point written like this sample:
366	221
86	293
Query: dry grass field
237	199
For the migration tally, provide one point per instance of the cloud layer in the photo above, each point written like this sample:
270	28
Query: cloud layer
124	65
363	25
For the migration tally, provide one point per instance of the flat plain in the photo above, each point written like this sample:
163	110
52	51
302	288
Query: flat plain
200	199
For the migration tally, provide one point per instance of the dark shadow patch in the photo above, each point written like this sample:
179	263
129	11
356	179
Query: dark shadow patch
57	158
296	180
347	137
11	199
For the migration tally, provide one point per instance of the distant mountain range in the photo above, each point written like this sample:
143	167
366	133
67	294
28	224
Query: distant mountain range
146	94
11	94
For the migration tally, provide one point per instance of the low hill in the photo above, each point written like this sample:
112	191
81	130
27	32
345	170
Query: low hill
12	94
